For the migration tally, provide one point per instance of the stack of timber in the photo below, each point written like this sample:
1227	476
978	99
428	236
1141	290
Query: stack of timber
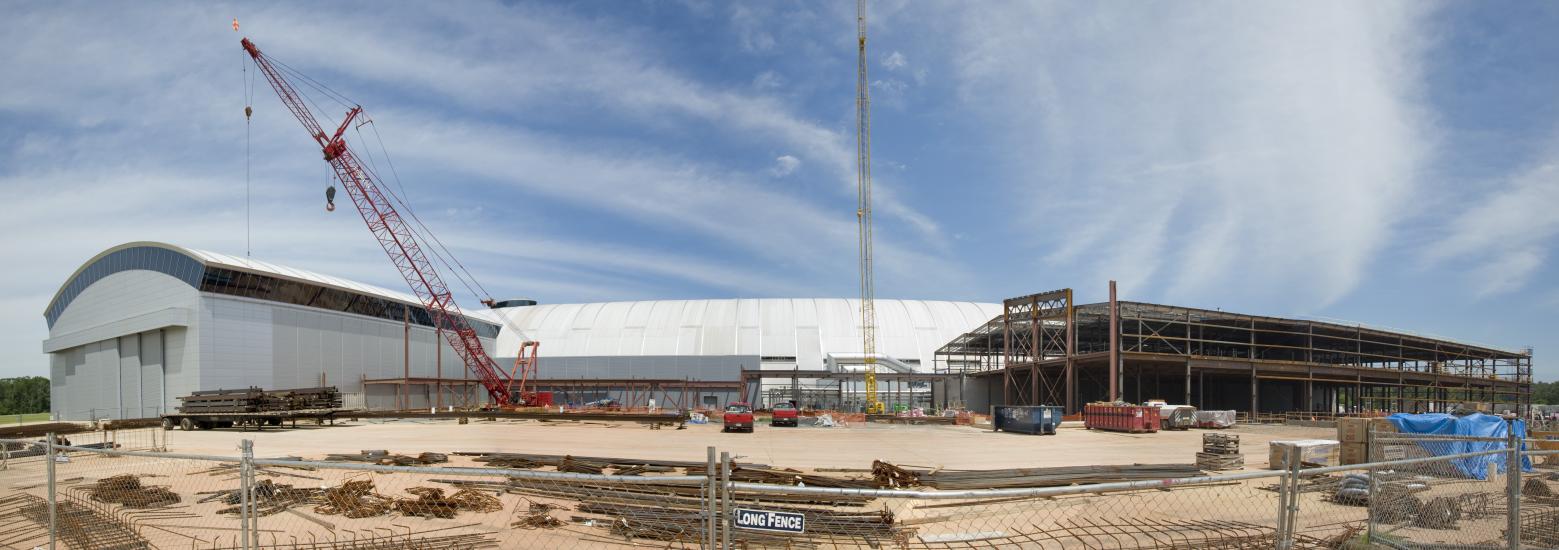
891	476
256	400
1220	452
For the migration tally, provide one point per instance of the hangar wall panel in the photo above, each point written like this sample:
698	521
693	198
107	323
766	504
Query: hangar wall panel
807	329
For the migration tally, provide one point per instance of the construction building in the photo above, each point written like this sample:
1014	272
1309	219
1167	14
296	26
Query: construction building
144	323
692	353
141	324
1044	350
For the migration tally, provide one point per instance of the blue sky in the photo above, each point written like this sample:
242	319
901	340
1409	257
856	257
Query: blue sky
1389	163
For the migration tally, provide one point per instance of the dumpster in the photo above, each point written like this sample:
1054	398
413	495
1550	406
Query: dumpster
1041	420
1120	418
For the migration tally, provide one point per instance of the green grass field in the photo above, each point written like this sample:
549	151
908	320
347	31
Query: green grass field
18	418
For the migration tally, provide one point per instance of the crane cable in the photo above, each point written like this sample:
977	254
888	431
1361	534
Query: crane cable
439	250
248	90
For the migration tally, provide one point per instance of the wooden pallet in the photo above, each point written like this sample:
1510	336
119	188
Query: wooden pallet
1217	443
1215	461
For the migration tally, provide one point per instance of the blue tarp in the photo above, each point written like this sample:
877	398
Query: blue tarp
1476	425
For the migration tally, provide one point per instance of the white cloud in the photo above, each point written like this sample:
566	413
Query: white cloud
753	25
1504	235
767	81
785	165
1223	149
894	60
161	158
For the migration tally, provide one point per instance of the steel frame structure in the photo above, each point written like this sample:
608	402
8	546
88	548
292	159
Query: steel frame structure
1037	329
1303	365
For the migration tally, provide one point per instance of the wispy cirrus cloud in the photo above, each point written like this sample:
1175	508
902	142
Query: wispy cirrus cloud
617	208
1220	148
1506	235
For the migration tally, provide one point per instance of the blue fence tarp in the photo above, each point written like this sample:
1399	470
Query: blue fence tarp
1475	425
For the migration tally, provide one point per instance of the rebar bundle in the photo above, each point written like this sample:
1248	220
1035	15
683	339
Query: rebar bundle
891	476
78	526
126	490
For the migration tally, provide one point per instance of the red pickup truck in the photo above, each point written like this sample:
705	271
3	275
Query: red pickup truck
785	414
738	416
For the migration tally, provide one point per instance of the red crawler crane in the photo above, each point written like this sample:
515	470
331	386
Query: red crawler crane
397	238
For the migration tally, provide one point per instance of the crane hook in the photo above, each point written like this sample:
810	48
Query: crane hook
330	199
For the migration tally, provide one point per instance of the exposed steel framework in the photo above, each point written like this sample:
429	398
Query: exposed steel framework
394	235
1219	359
1036	329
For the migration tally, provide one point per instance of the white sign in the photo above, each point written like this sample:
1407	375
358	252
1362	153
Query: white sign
764	520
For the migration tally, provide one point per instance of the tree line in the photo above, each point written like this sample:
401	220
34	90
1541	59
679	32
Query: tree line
1545	393
25	395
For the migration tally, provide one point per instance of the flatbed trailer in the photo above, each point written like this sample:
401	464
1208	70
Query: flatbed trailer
247	420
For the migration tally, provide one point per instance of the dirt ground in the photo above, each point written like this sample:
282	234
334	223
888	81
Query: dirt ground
854	446
196	521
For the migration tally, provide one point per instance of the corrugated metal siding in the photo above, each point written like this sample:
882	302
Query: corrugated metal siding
151	359
130	377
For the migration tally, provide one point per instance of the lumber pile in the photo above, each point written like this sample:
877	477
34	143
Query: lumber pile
256	400
385	458
590	464
891	476
1220	452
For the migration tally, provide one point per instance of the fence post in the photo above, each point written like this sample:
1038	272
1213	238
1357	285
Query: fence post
725	501
245	470
1288	499
709	501
1513	488
49	454
1369	458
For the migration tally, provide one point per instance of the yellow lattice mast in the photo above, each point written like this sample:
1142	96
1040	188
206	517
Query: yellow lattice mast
863	213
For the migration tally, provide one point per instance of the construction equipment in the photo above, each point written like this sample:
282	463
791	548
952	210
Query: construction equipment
525	371
399	240
863	213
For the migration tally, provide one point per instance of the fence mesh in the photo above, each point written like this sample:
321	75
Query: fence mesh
112	499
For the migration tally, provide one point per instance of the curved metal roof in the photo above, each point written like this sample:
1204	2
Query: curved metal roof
808	329
154	255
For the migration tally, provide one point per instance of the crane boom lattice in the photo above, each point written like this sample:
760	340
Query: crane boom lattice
395	236
863	213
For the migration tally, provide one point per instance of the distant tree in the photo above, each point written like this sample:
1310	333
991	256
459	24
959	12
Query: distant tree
28	394
1545	393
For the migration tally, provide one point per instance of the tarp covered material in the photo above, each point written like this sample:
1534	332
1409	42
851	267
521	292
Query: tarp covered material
1473	425
1214	419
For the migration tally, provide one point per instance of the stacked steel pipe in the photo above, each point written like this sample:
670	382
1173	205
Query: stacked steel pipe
256	400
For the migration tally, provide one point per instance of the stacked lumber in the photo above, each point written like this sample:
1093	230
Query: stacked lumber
1220	452
891	476
591	464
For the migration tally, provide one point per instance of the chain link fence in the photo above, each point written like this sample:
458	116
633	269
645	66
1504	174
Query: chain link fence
90	498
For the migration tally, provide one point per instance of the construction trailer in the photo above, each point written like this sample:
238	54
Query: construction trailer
1043	350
